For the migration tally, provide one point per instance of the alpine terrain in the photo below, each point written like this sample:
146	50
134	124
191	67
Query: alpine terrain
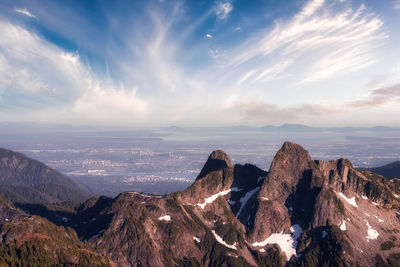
302	212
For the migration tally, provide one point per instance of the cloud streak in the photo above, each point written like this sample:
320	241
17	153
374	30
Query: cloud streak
320	43
25	12
378	97
259	111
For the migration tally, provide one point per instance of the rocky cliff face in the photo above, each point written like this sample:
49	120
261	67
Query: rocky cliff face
218	160
300	213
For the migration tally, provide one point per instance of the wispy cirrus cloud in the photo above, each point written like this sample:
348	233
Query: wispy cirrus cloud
25	11
321	42
156	70
223	9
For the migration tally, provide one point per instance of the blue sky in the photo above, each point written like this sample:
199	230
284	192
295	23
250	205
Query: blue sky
198	63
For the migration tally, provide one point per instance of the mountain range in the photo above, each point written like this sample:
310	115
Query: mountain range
301	212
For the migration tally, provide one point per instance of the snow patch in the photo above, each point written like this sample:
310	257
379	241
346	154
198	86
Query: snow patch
367	214
364	197
379	219
215	196
95	236
243	200
165	218
395	195
197	239
343	226
221	241
262	250
372	233
351	201
64	219
324	233
287	242
265	198
376	204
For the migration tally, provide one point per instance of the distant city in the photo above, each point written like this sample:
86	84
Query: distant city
164	160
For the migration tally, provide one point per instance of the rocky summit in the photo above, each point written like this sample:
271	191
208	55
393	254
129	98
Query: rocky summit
301	212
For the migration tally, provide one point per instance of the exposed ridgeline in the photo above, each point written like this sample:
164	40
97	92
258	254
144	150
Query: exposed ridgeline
300	213
27	240
218	160
26	180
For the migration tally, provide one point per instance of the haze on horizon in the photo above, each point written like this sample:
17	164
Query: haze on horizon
196	63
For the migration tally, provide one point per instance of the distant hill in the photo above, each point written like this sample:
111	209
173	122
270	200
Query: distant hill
174	129
290	127
391	170
23	179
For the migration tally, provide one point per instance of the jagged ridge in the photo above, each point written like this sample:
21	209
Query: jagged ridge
300	213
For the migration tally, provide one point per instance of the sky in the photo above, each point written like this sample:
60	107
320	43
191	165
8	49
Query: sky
200	63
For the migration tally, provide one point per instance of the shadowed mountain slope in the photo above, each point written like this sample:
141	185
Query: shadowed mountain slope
23	179
391	170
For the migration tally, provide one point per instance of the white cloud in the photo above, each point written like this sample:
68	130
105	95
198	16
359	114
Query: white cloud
396	4
223	9
320	43
111	105
312	7
259	111
44	75
273	72
30	64
25	12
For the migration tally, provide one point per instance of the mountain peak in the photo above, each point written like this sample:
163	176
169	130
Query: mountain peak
287	168
289	154
287	145
217	160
